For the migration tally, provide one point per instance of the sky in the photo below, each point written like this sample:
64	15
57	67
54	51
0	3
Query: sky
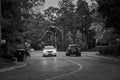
49	3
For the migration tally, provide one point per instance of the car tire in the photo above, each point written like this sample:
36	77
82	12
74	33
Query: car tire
68	54
79	54
44	55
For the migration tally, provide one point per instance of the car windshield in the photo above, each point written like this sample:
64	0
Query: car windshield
73	47
49	47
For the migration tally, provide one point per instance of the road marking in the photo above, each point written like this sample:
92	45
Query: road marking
14	67
80	67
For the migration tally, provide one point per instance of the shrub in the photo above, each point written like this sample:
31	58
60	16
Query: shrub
108	50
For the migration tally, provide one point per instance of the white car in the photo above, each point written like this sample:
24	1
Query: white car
49	51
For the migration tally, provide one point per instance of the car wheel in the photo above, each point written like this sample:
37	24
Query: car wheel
66	54
44	55
76	54
79	54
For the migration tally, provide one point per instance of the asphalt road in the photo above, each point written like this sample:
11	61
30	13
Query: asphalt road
65	68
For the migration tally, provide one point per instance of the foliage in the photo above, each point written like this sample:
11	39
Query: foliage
78	34
69	37
97	29
109	36
10	9
70	18
83	18
78	38
66	19
62	18
91	39
110	10
51	13
109	50
33	9
17	26
106	21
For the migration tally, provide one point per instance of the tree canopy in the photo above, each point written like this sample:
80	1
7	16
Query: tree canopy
17	19
110	10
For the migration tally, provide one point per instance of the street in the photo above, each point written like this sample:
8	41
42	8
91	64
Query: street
64	68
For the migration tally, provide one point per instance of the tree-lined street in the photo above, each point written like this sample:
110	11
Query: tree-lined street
65	68
74	26
84	23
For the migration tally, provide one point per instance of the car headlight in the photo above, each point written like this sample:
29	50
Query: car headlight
54	51
44	51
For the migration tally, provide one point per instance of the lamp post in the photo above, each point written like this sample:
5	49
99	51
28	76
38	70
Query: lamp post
62	35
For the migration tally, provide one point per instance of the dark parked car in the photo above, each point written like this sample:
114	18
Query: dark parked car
73	49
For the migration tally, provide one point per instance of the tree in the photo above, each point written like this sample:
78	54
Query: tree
51	13
110	10
78	37
69	37
97	24
66	20
33	8
108	37
83	19
98	29
15	13
79	40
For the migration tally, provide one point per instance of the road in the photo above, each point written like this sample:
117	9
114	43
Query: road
65	68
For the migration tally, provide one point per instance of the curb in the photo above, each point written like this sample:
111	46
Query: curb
13	67
96	54
107	58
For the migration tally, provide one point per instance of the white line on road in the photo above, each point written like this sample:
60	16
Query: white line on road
80	67
14	67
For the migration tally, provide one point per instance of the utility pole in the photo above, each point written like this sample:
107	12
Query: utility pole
55	40
51	39
62	35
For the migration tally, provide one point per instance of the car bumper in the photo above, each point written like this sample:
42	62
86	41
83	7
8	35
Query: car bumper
73	52
45	55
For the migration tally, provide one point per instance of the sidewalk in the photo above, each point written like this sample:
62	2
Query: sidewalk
6	65
97	54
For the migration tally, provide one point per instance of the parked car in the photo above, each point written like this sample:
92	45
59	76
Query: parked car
49	51
73	49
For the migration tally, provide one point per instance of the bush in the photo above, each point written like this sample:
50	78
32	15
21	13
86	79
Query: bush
108	50
10	53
